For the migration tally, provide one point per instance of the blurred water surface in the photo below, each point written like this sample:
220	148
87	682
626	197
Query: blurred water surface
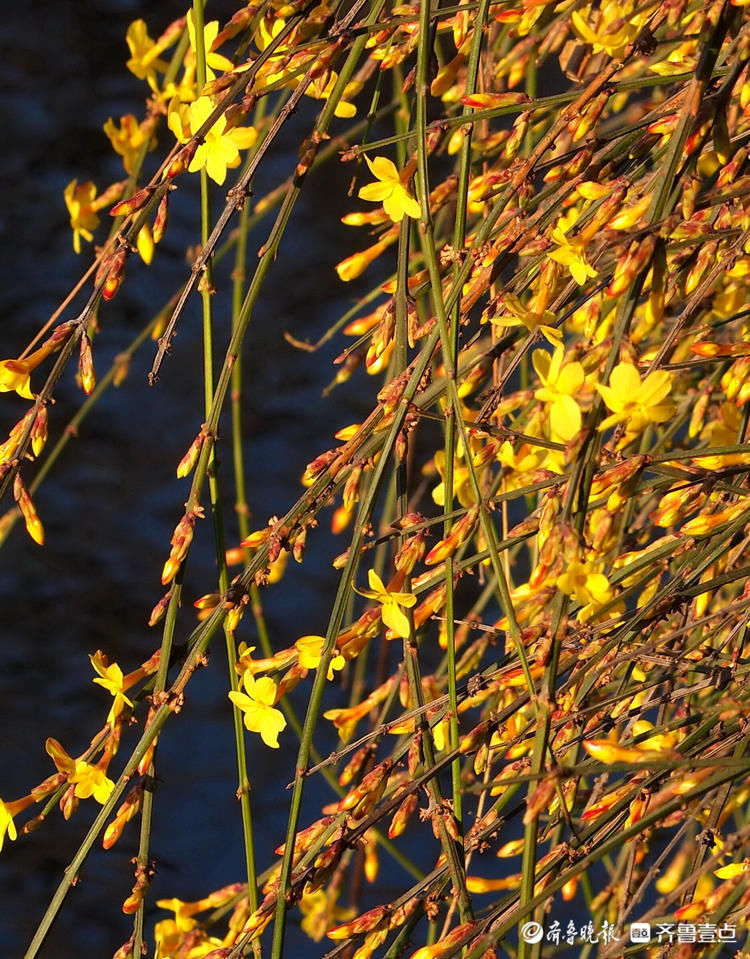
112	501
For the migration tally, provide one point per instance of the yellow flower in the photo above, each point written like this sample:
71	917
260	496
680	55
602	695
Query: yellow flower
210	32
461	482
559	384
111	678
144	53
6	824
90	781
732	870
634	401
321	912
589	587
520	316
613	27
354	265
221	146
322	87
310	650
128	139
570	252
258	707
389	190
392	614
83	218
16	374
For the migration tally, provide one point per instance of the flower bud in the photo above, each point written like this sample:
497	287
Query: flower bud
157	613
353	266
402	816
133	203
181	540
39	431
485	101
31	519
364	797
458	535
123	816
161	219
367	922
188	461
354	765
115	273
86	373
182	160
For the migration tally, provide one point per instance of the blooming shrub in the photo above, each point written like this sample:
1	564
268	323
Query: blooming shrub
547	500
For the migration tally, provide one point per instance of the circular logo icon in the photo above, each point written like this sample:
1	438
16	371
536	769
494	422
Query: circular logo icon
532	932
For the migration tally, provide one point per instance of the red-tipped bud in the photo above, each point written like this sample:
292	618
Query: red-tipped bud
458	535
133	203
115	273
161	220
33	524
188	461
363	798
182	160
354	765
485	101
181	540
68	803
367	922
86	365
299	545
39	431
402	816
157	613
124	814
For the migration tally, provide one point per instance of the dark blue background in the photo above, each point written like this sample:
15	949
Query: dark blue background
111	503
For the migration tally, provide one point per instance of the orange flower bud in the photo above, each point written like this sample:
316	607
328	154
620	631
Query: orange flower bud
298	547
86	372
402	816
411	552
133	203
161	220
157	613
627	268
353	266
448	944
33	524
458	535
181	540
68	803
473	739
147	758
188	461
325	865
367	922
414	758
115	273
39	431
363	798
354	765
182	160
123	816
484	101
351	489
568	891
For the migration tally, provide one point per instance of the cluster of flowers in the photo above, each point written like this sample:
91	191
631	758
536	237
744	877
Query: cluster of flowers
570	301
